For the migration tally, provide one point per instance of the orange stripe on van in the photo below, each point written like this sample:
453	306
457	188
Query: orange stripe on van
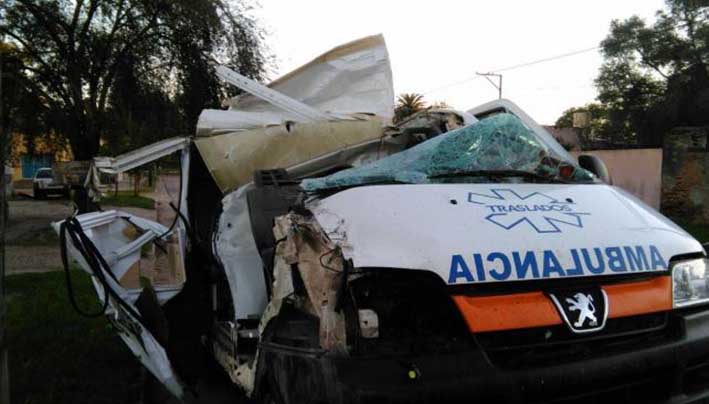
535	309
631	299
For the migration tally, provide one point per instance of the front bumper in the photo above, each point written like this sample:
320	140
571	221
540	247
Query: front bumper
51	188
674	370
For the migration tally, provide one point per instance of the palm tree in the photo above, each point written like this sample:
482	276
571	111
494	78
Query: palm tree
408	104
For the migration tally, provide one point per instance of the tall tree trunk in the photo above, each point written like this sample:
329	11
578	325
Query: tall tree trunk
4	377
85	140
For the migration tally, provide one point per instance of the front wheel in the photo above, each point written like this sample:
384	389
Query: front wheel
39	194
154	392
272	396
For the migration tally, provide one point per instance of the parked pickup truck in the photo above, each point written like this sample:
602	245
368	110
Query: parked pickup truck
321	254
59	179
44	184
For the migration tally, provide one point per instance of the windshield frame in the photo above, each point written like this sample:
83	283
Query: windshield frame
499	146
44	173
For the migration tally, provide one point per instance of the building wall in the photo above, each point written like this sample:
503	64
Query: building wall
638	171
685	176
47	149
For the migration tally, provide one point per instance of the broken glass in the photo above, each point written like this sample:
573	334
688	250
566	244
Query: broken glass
499	146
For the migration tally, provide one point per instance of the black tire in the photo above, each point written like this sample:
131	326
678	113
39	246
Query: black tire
154	392
270	394
39	194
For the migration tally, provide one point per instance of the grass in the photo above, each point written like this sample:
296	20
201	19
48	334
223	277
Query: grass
57	356
43	237
126	198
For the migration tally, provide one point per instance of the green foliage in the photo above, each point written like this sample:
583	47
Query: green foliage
126	71
408	104
599	125
57	356
697	230
655	77
22	108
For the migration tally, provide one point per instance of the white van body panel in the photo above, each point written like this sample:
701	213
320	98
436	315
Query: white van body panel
472	233
108	231
235	247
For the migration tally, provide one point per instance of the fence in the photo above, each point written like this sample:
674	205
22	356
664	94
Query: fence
638	171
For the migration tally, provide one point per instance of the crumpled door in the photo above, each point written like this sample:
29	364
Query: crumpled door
135	264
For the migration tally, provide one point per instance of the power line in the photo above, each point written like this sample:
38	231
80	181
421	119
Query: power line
516	66
549	59
497	85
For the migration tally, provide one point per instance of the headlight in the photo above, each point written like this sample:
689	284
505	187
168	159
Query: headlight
690	282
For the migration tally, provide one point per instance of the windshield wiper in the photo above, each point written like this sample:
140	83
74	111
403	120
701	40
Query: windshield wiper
338	188
500	174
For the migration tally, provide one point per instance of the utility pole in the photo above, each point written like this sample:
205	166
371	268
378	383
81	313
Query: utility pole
4	377
498	86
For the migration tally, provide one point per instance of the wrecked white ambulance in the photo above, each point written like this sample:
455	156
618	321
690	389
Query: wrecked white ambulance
321	255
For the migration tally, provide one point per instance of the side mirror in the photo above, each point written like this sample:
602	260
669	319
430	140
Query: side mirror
595	165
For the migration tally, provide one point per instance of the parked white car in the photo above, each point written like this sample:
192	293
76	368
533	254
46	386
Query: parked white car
43	184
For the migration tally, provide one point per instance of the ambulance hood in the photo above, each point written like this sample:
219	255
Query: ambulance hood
473	233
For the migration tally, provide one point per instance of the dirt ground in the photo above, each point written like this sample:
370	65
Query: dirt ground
31	244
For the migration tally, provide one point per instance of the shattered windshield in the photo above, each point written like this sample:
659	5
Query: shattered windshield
497	147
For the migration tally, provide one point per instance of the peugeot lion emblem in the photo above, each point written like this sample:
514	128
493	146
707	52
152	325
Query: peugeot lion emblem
584	305
582	311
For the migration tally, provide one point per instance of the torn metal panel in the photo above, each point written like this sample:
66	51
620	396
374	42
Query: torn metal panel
304	248
235	247
350	82
147	350
303	112
354	156
139	157
213	122
321	266
127	243
137	252
440	119
354	77
232	158
245	374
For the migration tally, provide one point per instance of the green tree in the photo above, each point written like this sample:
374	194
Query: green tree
408	104
79	57
655	77
598	125
23	110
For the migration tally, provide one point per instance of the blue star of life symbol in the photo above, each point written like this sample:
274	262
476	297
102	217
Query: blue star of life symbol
542	212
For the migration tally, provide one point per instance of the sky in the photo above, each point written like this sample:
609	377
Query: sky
434	46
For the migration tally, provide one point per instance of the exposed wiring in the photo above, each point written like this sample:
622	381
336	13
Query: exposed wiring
96	262
97	265
329	268
67	273
178	212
